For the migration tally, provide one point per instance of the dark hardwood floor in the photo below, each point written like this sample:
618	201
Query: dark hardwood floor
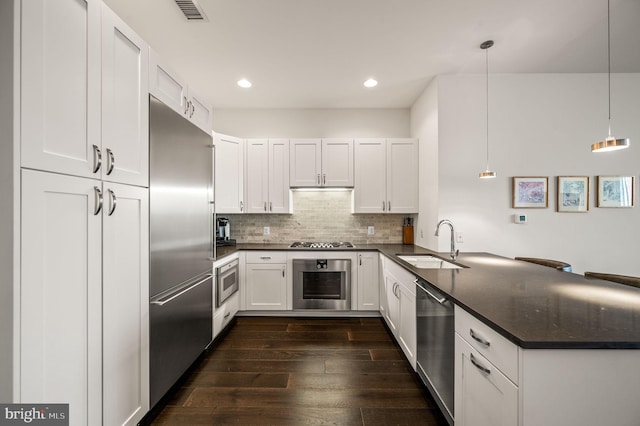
302	371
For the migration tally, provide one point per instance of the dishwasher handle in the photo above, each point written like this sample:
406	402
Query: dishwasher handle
440	300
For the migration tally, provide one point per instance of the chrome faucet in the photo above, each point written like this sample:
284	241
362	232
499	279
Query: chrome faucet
454	252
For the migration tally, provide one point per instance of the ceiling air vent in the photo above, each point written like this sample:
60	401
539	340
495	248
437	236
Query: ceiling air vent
192	11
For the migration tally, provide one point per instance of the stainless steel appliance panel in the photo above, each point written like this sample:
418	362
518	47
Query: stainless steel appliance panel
435	349
227	281
323	284
180	196
181	329
181	245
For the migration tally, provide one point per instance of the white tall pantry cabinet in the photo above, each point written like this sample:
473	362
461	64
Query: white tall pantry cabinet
74	152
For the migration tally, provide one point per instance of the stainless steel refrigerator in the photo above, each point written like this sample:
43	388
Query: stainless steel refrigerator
181	245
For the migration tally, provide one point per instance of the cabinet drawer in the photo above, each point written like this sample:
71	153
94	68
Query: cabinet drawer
498	350
266	257
225	313
404	277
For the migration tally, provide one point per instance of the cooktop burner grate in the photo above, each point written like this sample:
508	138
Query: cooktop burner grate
316	244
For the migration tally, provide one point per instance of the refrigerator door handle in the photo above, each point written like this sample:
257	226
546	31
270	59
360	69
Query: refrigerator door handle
169	297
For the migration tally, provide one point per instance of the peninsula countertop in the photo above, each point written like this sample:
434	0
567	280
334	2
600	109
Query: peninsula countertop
535	307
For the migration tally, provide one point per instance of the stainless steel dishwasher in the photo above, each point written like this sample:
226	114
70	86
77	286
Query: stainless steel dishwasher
435	352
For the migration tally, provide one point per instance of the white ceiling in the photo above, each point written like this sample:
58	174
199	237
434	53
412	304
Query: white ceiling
317	53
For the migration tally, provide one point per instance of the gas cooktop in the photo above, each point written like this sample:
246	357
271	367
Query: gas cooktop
322	245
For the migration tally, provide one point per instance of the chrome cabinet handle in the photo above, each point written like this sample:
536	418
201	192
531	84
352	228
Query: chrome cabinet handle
395	288
479	339
389	206
324	179
192	109
318	178
360	259
227	315
111	161
383	206
113	200
478	365
283	272
186	105
98	200
241	206
265	257
270	206
265	206
97	159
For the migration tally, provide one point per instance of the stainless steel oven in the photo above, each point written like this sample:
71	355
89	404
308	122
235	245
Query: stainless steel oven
226	281
323	284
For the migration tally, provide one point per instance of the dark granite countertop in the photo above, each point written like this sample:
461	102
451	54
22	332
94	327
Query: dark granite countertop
531	305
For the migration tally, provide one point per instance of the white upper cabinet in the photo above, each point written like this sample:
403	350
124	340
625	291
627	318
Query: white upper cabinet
229	174
402	176
321	163
60	85
306	162
386	176
166	85
370	191
267	174
125	103
84	92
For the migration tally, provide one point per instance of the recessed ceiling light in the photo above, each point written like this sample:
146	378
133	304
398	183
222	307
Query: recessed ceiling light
371	83
244	83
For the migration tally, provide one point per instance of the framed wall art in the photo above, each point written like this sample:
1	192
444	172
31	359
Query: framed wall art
530	192
616	191
573	194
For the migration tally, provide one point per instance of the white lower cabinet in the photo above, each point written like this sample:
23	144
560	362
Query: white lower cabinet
84	297
125	304
225	313
368	281
266	281
483	395
399	306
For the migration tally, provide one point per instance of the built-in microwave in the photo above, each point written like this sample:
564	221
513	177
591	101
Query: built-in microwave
226	281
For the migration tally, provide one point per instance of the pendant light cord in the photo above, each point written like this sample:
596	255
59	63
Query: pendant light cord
609	58
487	87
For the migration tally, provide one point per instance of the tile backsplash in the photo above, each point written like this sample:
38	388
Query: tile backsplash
317	216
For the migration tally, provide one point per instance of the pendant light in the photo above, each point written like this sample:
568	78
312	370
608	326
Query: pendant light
487	174
610	143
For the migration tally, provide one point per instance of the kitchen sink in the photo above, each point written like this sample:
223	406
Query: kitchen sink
428	262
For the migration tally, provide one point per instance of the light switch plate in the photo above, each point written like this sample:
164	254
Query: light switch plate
371	230
266	231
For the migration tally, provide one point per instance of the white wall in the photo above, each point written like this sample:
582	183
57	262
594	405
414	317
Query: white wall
424	127
312	123
540	125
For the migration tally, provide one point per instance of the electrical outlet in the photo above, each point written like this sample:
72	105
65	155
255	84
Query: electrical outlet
266	231
371	230
459	237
